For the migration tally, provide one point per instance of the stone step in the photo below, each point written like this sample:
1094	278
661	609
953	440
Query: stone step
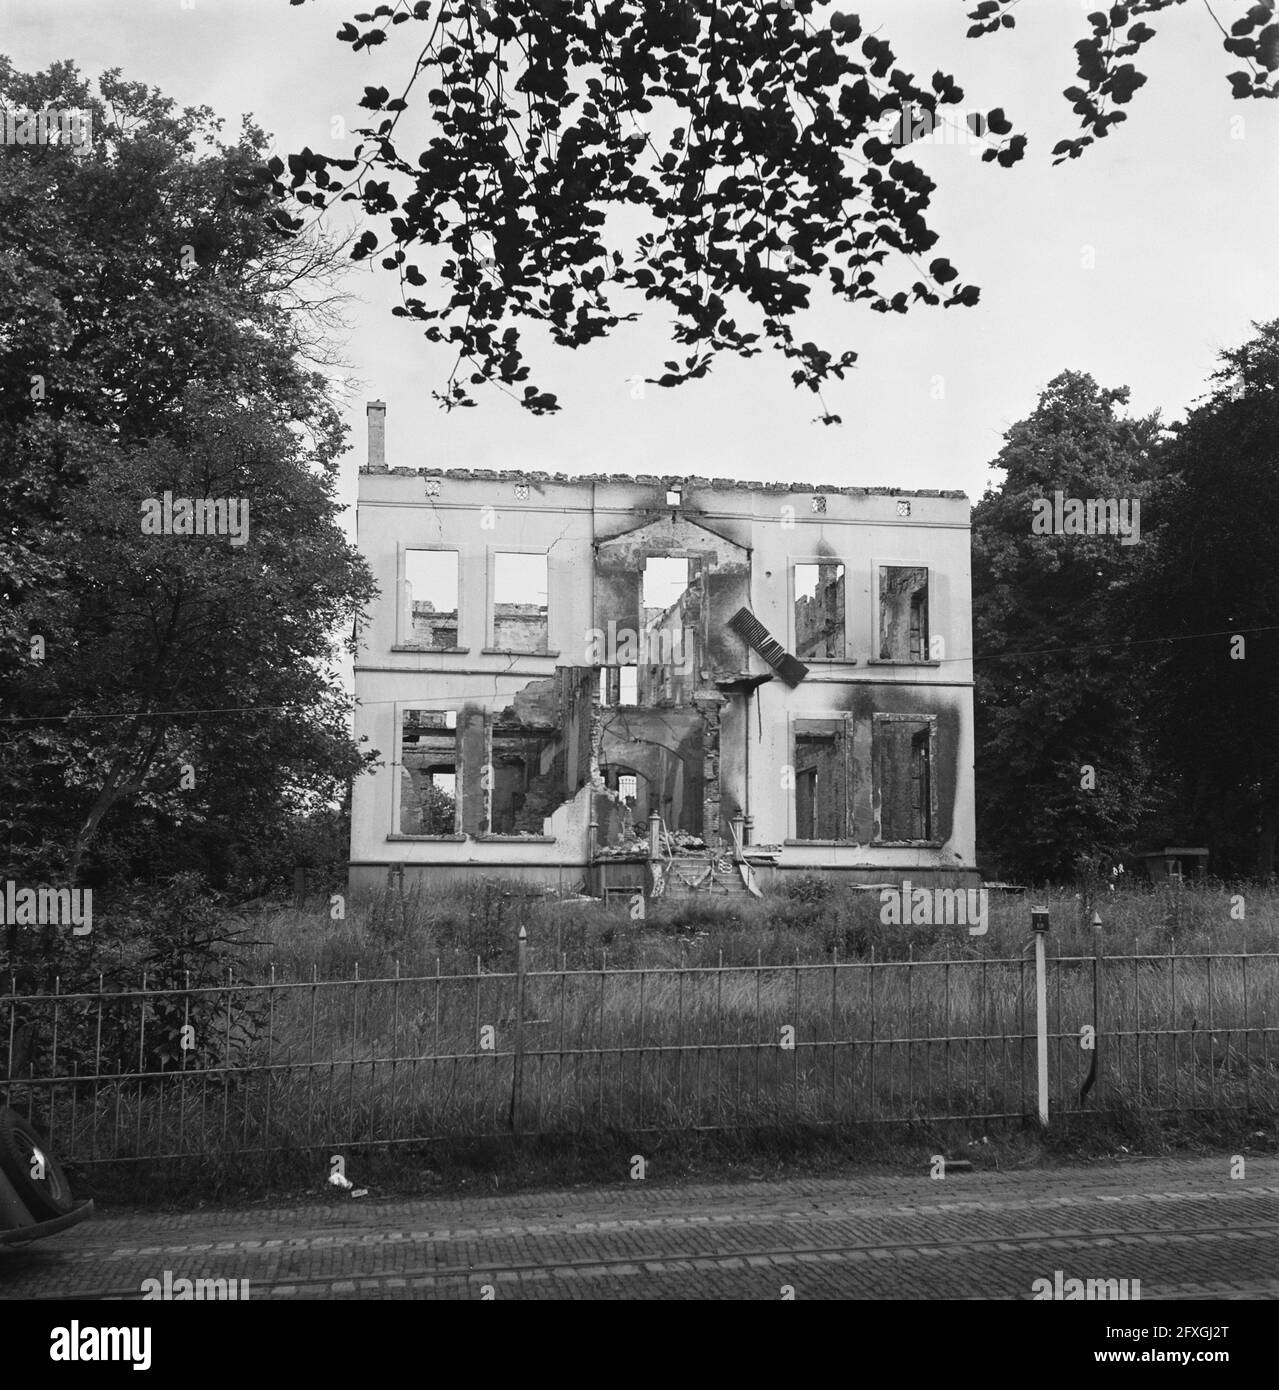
687	877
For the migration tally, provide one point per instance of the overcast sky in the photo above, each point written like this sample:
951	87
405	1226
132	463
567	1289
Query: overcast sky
1179	212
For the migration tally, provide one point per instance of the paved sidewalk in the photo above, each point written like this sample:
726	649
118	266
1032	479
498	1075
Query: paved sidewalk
1184	1228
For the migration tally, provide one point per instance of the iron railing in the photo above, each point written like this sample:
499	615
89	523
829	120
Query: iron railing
287	1064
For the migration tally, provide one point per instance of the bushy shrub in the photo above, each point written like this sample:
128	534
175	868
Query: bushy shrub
700	914
177	937
809	888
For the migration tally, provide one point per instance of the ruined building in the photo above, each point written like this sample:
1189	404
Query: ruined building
661	684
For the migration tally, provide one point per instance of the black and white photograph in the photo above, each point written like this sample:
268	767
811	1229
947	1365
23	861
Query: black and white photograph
639	661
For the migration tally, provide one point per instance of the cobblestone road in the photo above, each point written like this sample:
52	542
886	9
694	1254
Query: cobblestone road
1184	1228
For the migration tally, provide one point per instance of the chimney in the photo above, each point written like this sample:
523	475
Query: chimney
376	411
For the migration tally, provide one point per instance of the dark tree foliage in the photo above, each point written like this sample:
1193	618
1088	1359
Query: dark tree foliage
149	343
750	141
756	141
1213	582
1061	680
1119	32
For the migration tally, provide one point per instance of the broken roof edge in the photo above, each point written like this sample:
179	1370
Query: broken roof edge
514	475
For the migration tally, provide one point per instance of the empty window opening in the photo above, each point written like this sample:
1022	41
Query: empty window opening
428	766
666	752
519	603
439	800
623	820
904	779
903	613
819	612
430	599
821	787
528	781
671	618
536	755
619	685
665	579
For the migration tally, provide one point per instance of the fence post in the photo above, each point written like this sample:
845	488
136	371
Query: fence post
517	1065
1039	925
595	872
656	882
1099	953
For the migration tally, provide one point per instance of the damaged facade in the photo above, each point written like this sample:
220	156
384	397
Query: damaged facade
641	683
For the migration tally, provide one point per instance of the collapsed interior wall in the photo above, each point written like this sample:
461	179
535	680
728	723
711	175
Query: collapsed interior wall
670	650
644	733
506	771
428	774
903	613
668	739
519	627
666	751
819	616
432	630
718	584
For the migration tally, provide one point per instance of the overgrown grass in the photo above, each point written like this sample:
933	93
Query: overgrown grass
629	1029
815	920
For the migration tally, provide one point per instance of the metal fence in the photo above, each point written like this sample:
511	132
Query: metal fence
290	1065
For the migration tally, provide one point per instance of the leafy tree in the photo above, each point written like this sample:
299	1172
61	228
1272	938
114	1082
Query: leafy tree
1213	583
131	272
757	143
152	339
1059	685
157	630
1119	32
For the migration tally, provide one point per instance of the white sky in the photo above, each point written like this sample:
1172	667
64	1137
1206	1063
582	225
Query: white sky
665	579
806	579
432	576
1181	216
519	578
